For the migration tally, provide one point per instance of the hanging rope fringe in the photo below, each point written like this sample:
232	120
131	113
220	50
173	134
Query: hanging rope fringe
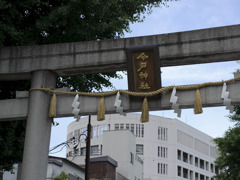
175	105
145	111
101	110
198	103
75	106
117	104
226	99
53	108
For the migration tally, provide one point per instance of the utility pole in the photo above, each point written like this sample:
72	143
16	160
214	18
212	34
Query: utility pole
88	144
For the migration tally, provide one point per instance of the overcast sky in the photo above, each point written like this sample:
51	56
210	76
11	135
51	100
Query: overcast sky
183	15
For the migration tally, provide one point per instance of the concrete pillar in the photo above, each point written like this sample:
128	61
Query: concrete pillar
38	132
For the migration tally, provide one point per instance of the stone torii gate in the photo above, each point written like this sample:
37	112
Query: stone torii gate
42	64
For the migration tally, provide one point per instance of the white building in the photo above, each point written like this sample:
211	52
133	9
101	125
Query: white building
169	148
121	146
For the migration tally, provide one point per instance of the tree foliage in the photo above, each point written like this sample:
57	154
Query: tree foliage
61	176
29	22
229	150
11	142
37	22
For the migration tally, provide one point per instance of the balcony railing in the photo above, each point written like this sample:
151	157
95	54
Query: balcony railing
79	153
137	158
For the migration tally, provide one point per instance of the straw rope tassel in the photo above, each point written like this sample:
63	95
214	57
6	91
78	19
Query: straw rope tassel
101	110
53	108
198	103
145	111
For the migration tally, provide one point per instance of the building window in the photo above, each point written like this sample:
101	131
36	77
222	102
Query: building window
212	168
162	152
196	176
83	151
162	168
106	127
94	150
201	164
116	126
185	173
142	130
131	158
162	133
179	171
76	134
98	130
139	149
127	126
94	132
179	154
132	128
207	166
76	151
83	131
191	175
137	130
121	126
196	161
190	159
201	177
185	157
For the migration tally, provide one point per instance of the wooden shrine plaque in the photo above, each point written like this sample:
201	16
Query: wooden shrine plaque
143	69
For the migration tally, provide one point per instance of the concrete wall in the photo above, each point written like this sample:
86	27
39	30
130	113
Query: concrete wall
121	145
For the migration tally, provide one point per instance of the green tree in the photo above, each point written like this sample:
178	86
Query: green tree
228	161
37	22
61	176
11	138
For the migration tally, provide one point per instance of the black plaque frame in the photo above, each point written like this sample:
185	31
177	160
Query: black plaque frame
156	62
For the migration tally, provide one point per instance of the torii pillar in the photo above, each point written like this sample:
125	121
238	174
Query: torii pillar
38	132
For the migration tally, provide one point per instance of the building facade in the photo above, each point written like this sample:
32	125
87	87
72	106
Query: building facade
169	148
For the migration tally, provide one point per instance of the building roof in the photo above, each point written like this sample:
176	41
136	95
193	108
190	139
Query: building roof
59	161
104	159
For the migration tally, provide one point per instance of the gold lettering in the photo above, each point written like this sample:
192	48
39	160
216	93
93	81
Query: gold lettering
144	86
143	56
142	66
143	75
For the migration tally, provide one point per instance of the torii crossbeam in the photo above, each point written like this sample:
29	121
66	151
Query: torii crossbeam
42	64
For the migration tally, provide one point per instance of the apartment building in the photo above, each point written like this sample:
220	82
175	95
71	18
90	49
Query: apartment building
168	148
